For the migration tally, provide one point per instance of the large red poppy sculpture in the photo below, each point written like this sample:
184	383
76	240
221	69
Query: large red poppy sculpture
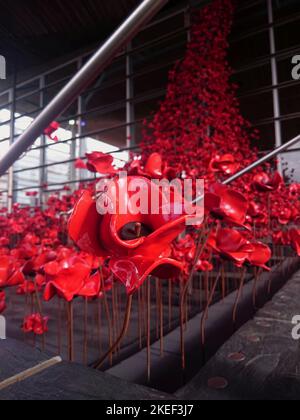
137	244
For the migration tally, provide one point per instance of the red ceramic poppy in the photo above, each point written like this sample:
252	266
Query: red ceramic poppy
31	193
257	214
91	287
36	324
294	190
68	279
132	272
260	255
49	131
226	204
230	244
263	182
27	288
106	235
4	241
101	163
285	216
114	235
224	163
10	274
204	265
155	168
184	249
80	164
294	235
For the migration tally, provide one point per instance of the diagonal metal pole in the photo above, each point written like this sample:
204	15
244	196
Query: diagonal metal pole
100	60
257	163
263	160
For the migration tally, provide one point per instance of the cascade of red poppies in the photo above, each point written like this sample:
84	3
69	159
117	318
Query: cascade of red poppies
198	132
199	126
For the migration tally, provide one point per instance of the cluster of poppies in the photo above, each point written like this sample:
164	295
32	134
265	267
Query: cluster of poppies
198	132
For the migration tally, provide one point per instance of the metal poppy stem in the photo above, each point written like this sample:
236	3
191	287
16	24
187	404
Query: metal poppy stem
208	303
148	331
140	319
239	294
107	312
99	324
121	336
59	340
40	309
85	332
199	251
256	278
71	331
170	303
223	274
161	319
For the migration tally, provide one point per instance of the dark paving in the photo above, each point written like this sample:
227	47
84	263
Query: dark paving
65	381
166	371
261	361
15	358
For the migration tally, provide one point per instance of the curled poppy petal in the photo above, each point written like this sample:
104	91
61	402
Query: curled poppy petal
132	272
262	182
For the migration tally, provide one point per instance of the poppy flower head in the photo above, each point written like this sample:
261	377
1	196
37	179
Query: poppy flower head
36	324
263	182
98	162
226	204
224	163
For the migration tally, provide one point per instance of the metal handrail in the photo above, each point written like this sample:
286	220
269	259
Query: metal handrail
100	60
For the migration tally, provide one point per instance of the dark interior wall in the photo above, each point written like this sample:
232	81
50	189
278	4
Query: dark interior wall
250	57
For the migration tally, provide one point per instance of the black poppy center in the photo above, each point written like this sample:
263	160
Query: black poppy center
134	230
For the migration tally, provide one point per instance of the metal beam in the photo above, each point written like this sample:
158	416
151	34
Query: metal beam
141	15
276	100
257	163
263	160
